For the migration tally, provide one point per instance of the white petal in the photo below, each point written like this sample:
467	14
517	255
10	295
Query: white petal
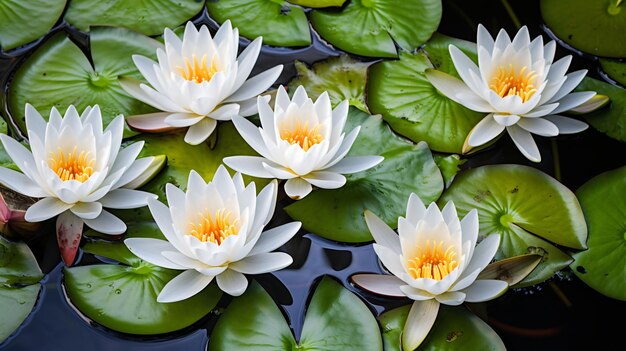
154	122
250	133
415	209
87	210
250	165
34	121
481	256
297	188
539	126
256	85
420	320
200	131
225	112
416	294
278	171
485	131
382	284
382	233
45	208
572	80
525	143
149	250
541	111
567	125
469	229
573	100
106	223
19	154
484	39
485	290
232	282
451	298
276	237
246	61
139	172
325	180
455	89
262	263
390	259
20	183
180	120
506	120
355	164
184	286
126	198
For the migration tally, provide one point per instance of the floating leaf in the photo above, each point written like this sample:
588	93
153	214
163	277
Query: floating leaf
277	21
400	92
449	166
603	265
610	120
19	284
455	328
334	317
17	26
373	27
590	26
144	16
59	74
318	3
525	206
342	77
337	214
614	69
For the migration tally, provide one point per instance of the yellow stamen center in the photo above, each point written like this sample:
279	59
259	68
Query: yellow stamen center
215	228
302	134
508	82
72	165
198	70
432	261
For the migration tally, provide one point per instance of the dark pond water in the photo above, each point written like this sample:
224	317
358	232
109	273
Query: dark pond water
561	314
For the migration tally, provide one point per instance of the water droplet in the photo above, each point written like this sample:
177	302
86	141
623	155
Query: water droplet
88	285
118	291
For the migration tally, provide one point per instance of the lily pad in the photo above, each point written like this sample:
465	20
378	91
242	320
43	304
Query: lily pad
334	317
529	209
59	74
123	297
144	16
19	284
610	120
400	92
337	214
614	69
318	3
590	26
456	328
603	265
277	21
449	165
182	157
17	26
374	27
342	77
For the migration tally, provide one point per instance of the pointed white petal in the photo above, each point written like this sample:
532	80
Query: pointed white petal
184	286
416	294
484	39
451	298
126	198
382	233
34	121
87	210
150	122
297	188
232	282
415	209
485	131
355	164
573	100
541	111
20	183
567	125
246	61
276	237
485	290
390	259
256	85
455	89
149	250
225	112
525	143
469	229
250	133
325	180
420	320
506	120
200	131
45	208
180	120
481	256
106	223
539	126
262	263
382	284
250	165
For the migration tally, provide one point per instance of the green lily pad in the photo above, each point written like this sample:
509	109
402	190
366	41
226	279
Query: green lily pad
318	3
17	26
603	265
19	284
182	157
456	328
400	92
144	16
374	27
123	297
609	120
337	214
529	209
342	77
590	26
59	74
333	319
614	69
449	165
277	21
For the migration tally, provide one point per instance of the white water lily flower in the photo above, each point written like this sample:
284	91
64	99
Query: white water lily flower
76	169
520	87
300	141
434	259
215	230
198	81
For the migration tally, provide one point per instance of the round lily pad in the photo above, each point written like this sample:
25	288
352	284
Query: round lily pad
374	27
455	328
17	26
616	70
318	3
590	26
144	16
603	265
610	120
123	297
342	77
277	21
400	92
203	158
19	284
337	214
59	74
334	319
529	209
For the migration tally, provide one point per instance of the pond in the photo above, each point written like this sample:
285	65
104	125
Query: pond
315	303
